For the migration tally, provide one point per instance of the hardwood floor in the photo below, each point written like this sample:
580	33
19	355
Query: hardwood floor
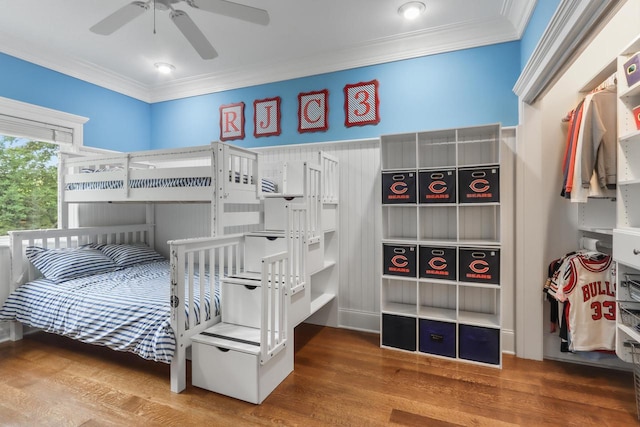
341	377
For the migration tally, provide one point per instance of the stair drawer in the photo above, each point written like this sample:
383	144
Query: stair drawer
626	247
275	212
241	304
225	371
259	246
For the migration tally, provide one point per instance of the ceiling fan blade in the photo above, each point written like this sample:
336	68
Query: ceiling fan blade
232	10
119	18
193	34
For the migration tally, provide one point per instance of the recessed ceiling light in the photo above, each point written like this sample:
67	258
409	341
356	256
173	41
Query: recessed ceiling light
164	68
411	10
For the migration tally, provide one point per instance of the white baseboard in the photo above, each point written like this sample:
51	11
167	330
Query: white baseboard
359	320
508	341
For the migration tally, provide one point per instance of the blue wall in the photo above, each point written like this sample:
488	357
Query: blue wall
538	22
454	89
116	121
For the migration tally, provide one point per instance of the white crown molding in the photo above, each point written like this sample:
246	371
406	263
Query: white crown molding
569	26
438	40
518	13
75	67
441	39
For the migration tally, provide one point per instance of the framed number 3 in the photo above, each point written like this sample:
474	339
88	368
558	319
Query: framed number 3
361	104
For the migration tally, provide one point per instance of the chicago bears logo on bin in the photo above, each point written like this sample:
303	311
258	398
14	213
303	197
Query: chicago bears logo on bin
399	261
438	263
399	188
438	187
479	266
479	185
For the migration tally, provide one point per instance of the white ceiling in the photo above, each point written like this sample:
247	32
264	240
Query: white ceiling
304	37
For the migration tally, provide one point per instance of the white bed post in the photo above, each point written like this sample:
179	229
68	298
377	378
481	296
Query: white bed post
15	327
150	220
217	207
179	360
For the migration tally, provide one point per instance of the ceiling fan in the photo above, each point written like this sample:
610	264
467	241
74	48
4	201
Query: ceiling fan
185	24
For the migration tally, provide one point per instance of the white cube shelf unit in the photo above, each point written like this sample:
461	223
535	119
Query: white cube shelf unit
626	235
440	290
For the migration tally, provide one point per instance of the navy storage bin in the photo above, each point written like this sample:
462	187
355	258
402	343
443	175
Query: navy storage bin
437	186
479	185
479	265
480	344
438	338
398	187
399	332
438	262
399	260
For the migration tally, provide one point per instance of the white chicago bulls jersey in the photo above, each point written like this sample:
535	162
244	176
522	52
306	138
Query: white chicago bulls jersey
587	284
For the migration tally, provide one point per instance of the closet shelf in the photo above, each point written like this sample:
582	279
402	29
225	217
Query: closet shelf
633	136
629	182
607	231
632	91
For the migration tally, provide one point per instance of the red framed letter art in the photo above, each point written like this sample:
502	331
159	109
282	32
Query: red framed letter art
361	104
266	117
313	109
232	121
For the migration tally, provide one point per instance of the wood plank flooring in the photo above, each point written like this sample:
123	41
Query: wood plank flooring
341	377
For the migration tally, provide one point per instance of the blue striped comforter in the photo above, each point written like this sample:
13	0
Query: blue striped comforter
126	310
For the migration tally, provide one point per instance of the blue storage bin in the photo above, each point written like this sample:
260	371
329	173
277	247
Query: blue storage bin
438	338
479	344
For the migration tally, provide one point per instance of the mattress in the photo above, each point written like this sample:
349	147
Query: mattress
268	186
141	183
126	310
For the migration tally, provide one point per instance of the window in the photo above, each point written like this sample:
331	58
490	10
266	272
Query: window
30	139
28	184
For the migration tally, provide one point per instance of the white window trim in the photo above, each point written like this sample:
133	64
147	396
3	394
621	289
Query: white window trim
23	110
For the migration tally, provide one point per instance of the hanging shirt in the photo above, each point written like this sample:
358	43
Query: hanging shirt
586	283
600	136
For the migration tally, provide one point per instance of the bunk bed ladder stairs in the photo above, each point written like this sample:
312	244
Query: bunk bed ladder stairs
248	354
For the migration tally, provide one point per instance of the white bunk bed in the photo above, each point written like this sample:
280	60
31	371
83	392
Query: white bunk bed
190	260
218	173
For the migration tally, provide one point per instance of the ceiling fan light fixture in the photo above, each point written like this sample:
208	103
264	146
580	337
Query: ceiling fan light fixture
164	68
411	10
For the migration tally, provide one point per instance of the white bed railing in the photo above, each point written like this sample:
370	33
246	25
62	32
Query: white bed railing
297	245
330	178
222	256
211	256
190	258
274	317
22	271
219	173
313	196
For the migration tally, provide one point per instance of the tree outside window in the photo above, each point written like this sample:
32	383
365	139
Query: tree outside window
28	184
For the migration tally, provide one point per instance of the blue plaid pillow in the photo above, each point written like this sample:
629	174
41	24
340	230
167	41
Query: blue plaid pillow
60	265
129	255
